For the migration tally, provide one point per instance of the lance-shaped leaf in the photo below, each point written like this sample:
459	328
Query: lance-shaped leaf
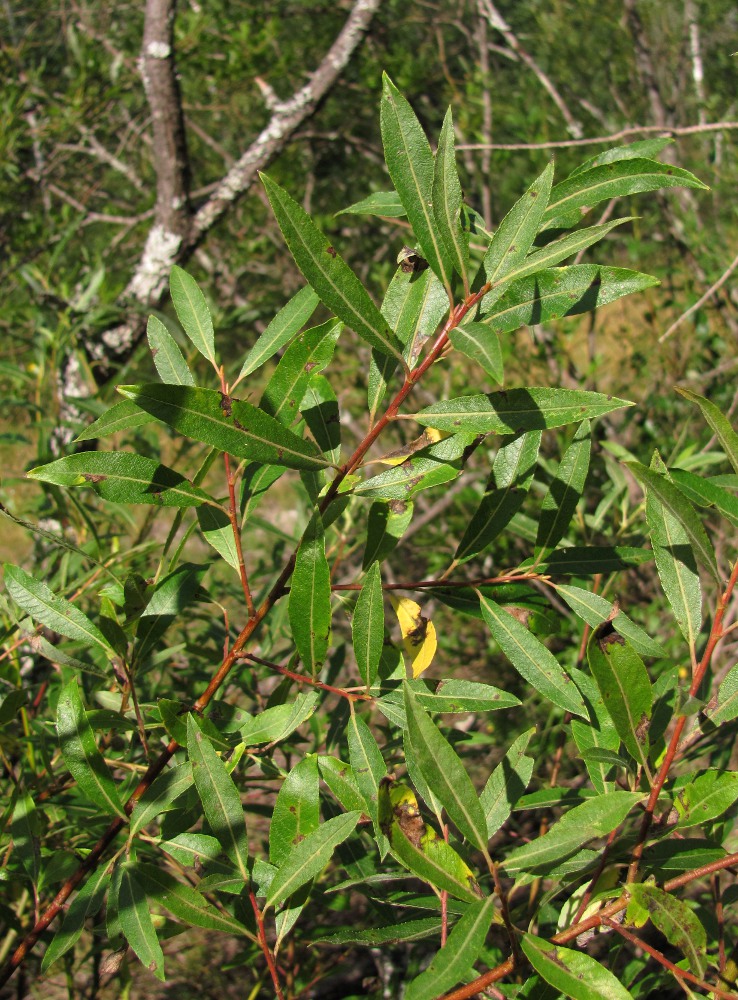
290	318
119	417
562	291
677	922
219	796
410	163
647	148
705	493
582	191
719	424
123	477
674	501
184	902
310	856
394	933
446	196
626	690
512	475
706	797
307	354
327	273
193	313
515	234
85	904
136	923
587	560
531	658
366	762
516	410
727	700
231	425
573	973
382	203
367	626
480	343
453	961
445	773
320	412
507	783
310	597
431	466
564	492
217	531
170	365
434	861
594	818
51	610
595	610
172	595
386	524
296	812
340	778
161	796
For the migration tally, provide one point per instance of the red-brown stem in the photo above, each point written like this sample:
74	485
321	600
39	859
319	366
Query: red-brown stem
595	878
716	634
92	860
303	679
444	916
446	584
663	960
265	947
596	920
717	899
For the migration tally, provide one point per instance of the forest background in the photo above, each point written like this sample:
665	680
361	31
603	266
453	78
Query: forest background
98	159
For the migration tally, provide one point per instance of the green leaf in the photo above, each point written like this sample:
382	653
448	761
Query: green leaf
594	818
136	923
626	690
172	595
11	704
161	796
478	342
574	973
437	863
595	610
310	856
296	812
515	234
719	424
577	194
341	780
454	695
170	365
706	797
51	610
219	796
193	313
512	475
310	598
367	626
255	483
676	564
705	493
430	466
531	658
410	164
445	773
307	354
446	195
674	501
119	417
386	524
727	700
458	955
328	274
515	410
184	902
394	933
85	904
231	425
123	477
290	318
217	531
320	412
676	921
507	783
280	721
367	763
382	203
588	560
565	491
643	148
561	291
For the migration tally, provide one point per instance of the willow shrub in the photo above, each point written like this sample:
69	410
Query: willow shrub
279	768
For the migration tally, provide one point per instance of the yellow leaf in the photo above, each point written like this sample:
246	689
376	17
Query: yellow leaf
429	436
418	634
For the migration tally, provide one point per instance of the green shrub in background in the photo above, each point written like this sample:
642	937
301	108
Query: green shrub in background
268	759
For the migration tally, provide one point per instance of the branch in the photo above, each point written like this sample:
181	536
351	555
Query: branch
702	299
625	133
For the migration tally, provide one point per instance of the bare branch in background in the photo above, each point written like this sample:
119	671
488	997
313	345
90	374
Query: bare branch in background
599	140
701	300
499	23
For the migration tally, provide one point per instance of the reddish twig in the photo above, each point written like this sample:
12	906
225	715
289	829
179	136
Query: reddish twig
265	947
303	679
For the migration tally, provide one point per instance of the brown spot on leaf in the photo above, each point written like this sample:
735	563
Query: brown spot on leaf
93	477
331	251
607	636
226	404
397	506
